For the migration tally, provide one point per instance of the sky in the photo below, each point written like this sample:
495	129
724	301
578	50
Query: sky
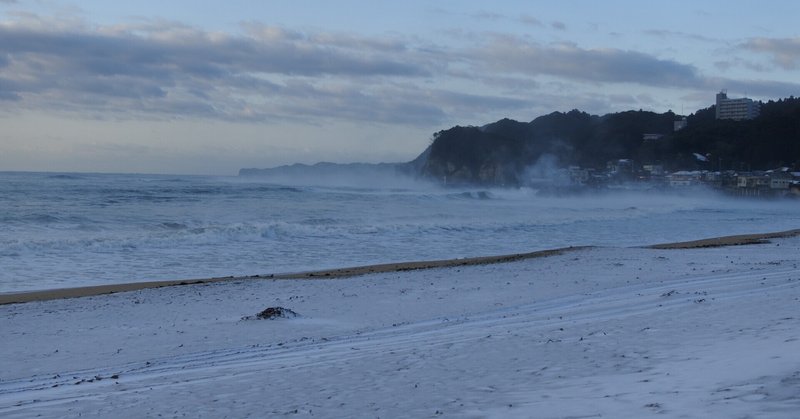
188	87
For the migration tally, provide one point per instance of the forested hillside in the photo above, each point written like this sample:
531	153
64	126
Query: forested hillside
499	153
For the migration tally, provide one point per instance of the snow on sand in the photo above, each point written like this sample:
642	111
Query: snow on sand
603	332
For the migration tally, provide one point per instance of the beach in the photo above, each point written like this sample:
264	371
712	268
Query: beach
706	328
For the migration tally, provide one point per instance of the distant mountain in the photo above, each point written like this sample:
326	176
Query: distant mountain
769	141
499	153
505	152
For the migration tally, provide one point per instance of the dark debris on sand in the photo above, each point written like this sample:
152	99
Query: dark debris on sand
272	313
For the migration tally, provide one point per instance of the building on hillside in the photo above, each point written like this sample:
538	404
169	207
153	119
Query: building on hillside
737	109
680	124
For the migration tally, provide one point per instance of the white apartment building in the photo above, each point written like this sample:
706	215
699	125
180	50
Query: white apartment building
738	109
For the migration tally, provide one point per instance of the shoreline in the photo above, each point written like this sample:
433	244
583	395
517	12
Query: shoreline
96	290
735	240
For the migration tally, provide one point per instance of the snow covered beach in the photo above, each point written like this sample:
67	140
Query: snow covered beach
598	332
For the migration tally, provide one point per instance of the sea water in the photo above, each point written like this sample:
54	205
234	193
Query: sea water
64	230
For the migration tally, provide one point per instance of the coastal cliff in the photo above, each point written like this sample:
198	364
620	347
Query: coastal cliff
509	153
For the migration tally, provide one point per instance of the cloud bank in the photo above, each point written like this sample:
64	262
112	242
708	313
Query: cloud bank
567	60
163	69
785	52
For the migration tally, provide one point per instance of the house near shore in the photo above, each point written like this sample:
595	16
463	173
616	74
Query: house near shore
794	189
579	176
684	178
714	179
753	181
654	169
781	182
778	182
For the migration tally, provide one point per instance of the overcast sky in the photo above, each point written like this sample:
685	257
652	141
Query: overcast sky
174	86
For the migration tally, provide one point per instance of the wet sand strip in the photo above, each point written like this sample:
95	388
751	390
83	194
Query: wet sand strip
24	297
738	240
53	294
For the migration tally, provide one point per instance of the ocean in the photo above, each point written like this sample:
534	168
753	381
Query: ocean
66	229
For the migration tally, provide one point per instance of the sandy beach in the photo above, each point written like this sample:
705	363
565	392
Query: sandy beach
707	328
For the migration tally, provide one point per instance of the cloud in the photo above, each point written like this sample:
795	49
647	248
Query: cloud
476	105
9	89
166	70
511	84
159	69
169	69
159	49
590	65
403	103
754	88
561	26
725	65
513	58
530	21
666	34
785	52
487	15
9	96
